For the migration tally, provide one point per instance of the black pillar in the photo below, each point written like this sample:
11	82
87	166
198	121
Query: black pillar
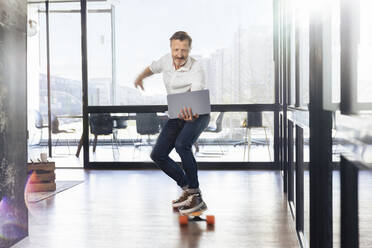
320	168
84	63
349	204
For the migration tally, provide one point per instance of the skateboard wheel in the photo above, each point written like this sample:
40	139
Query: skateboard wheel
210	219
183	219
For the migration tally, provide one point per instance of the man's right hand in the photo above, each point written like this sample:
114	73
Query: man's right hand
140	84
139	80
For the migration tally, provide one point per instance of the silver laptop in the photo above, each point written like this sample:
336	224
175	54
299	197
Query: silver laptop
198	101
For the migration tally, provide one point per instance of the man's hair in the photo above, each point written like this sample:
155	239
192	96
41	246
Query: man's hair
181	35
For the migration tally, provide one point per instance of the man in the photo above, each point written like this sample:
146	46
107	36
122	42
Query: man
181	73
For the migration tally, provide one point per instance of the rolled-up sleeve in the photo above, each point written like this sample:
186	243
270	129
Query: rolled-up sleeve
198	79
157	66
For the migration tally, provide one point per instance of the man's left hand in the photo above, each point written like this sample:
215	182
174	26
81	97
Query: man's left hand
186	115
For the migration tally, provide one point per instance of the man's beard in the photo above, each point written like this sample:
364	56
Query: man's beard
180	61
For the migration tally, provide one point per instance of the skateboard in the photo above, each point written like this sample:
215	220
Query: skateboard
195	216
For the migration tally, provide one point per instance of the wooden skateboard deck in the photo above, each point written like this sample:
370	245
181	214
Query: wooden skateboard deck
195	216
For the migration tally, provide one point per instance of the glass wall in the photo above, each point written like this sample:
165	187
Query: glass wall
332	55
233	40
65	81
302	27
101	77
238	65
340	48
35	72
365	53
230	137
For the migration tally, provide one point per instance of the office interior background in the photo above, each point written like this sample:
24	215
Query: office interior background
290	86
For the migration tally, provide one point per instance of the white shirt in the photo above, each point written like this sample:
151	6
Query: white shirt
189	77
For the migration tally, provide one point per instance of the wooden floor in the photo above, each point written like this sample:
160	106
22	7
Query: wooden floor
132	209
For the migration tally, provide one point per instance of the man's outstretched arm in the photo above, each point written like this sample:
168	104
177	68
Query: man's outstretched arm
139	80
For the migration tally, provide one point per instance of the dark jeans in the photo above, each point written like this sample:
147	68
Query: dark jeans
180	135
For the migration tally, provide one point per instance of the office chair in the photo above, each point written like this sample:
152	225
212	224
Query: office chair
253	120
146	124
119	122
214	129
101	124
57	131
39	125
